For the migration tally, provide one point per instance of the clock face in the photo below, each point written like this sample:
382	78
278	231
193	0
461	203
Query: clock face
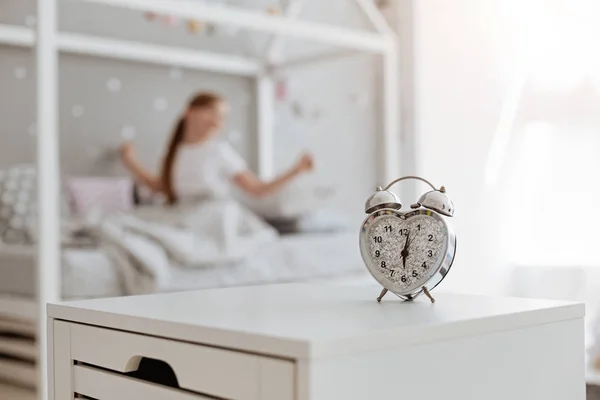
403	251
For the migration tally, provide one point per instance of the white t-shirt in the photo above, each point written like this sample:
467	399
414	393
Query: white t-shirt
206	169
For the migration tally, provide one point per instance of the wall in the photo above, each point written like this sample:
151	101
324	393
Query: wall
101	99
468	55
459	87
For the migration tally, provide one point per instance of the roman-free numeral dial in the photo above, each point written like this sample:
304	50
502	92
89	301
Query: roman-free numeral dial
406	251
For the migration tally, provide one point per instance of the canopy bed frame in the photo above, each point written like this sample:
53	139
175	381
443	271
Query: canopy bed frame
48	42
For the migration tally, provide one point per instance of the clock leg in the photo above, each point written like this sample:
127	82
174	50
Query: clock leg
383	292
428	294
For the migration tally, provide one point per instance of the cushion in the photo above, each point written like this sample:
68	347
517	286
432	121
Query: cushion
18	204
318	221
100	194
293	201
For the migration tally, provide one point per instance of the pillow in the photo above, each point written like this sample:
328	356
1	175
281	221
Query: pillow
294	200
100	194
17	208
18	204
325	220
318	221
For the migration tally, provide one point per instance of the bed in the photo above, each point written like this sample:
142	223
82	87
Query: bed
113	239
18	302
91	273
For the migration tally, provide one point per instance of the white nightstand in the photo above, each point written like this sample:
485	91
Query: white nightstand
317	342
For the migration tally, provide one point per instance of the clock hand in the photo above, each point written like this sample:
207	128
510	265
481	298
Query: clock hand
404	252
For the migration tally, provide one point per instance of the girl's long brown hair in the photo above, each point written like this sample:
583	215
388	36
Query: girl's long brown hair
200	100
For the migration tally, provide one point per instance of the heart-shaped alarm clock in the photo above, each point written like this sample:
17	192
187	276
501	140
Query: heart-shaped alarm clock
408	252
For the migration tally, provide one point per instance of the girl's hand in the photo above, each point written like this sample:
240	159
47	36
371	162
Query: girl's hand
127	151
305	164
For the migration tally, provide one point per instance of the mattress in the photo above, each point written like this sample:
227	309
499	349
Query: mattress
86	272
90	273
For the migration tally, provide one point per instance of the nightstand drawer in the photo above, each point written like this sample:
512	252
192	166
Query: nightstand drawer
100	384
190	367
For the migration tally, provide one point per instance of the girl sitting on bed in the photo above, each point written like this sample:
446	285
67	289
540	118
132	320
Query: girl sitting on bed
198	164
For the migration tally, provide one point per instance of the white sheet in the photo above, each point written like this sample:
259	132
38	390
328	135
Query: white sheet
216	243
292	258
85	273
90	273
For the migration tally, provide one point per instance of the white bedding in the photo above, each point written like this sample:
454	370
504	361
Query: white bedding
217	243
85	273
291	258
90	273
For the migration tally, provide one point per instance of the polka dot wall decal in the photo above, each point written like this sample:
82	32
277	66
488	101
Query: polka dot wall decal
77	110
30	20
113	85
160	104
176	73
20	73
128	132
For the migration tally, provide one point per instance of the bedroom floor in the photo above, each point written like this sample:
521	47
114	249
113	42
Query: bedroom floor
12	393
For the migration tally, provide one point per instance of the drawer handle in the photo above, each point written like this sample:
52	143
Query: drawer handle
152	370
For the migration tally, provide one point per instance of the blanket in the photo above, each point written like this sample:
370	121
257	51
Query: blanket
145	245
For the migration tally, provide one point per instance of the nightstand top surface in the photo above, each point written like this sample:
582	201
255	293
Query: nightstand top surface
311	320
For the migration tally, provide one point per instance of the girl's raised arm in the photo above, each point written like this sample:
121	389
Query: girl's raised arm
250	184
137	170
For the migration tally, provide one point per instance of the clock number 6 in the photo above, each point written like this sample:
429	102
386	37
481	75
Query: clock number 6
403	278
